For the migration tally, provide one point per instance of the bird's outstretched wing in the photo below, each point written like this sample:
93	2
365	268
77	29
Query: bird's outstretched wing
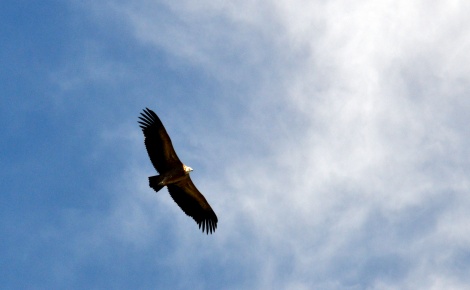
193	203
158	143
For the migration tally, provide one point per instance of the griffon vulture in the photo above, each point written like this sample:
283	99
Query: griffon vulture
173	173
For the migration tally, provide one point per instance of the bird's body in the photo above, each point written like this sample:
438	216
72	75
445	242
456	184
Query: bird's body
173	173
172	176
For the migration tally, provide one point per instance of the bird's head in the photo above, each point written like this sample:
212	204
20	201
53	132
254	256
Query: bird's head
187	169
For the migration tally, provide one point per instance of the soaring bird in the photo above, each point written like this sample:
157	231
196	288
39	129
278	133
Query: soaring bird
173	173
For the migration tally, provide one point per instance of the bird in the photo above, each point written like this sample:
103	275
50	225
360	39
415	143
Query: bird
173	173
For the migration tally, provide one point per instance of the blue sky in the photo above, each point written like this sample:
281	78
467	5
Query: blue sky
331	139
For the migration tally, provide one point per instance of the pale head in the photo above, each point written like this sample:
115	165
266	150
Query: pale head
187	169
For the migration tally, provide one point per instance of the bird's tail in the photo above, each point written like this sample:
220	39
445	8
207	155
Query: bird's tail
155	182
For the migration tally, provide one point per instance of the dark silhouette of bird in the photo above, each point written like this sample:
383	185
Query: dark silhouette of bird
173	173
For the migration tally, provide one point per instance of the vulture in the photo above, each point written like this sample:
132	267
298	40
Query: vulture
173	173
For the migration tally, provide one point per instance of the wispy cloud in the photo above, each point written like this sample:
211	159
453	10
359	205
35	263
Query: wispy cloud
336	149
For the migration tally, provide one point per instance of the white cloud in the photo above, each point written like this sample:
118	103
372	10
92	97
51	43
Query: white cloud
356	115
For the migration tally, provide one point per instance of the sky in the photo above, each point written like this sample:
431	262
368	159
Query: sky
331	138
